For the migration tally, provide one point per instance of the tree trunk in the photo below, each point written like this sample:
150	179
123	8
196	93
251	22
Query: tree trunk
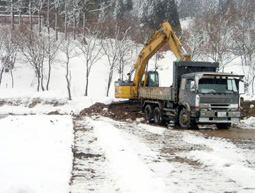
49	74
12	78
56	23
12	15
30	15
42	86
109	81
74	30
38	81
65	20
48	17
68	80
74	25
49	61
84	23
87	82
1	75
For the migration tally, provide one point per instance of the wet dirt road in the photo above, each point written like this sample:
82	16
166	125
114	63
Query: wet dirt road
232	134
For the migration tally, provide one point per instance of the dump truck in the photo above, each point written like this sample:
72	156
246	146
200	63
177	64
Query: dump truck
199	94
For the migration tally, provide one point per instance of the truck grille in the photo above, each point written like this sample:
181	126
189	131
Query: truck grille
219	106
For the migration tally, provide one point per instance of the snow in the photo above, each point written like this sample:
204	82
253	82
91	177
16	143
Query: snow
186	22
248	123
36	154
224	157
129	171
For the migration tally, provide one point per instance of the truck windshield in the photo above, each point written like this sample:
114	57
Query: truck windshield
217	86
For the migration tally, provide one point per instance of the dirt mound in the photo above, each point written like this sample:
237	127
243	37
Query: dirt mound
248	108
123	111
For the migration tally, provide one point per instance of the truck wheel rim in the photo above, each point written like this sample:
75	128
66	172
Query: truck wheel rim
184	119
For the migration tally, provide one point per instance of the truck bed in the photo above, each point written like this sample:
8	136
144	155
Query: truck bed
158	93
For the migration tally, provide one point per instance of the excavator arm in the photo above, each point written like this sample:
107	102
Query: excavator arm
158	40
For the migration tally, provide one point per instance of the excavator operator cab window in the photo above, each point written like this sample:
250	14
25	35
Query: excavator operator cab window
152	79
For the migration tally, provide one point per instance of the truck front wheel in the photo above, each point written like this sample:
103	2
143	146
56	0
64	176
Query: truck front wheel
148	113
223	126
184	119
158	119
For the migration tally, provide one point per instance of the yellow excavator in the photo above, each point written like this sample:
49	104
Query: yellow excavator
130	90
199	94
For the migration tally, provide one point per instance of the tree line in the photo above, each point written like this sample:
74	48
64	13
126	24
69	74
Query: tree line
42	51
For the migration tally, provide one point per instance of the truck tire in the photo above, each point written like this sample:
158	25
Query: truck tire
148	113
158	118
184	119
223	126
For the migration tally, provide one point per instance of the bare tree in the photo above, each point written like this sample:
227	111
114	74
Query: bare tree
115	50
51	51
194	39
9	49
32	47
91	50
68	48
111	50
218	33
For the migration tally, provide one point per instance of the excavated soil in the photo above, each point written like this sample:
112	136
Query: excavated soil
132	110
122	111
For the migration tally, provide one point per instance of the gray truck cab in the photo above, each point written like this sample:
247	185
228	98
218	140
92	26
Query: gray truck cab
211	98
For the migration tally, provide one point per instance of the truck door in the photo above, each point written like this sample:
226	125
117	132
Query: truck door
189	93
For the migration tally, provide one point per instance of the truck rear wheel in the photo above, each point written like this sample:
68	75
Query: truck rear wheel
148	113
223	126
158	118
184	119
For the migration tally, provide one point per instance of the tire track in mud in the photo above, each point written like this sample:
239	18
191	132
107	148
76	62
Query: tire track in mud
89	173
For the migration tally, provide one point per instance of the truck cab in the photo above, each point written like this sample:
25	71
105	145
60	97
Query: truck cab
210	98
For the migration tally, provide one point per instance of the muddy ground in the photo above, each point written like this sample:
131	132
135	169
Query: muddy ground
131	111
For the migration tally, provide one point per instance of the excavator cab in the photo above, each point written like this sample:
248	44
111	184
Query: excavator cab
150	79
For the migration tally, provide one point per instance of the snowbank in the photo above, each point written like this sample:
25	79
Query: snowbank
35	154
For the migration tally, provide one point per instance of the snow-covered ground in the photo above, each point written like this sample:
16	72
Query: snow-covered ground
35	154
143	158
